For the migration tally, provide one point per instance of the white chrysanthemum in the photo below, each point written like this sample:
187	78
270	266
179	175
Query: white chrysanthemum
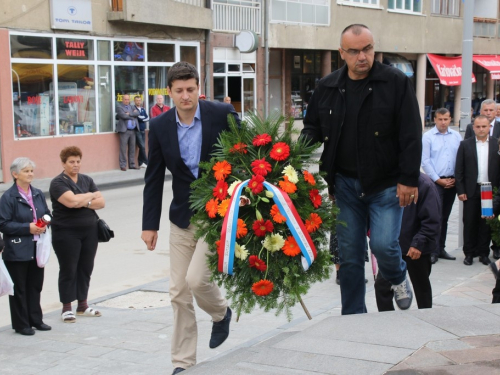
240	251
232	187
273	242
291	173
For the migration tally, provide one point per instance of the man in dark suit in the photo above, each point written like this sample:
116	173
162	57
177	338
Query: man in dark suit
178	140
488	109
477	162
126	127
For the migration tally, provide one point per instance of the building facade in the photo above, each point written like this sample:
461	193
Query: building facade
66	64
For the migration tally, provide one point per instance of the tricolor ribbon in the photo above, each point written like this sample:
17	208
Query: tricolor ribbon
286	208
486	199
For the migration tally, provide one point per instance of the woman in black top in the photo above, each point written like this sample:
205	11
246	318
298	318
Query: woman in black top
20	208
74	198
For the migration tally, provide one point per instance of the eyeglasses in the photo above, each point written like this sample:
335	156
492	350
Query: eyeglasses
355	52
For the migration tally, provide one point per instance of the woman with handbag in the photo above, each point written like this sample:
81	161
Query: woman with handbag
20	208
75	198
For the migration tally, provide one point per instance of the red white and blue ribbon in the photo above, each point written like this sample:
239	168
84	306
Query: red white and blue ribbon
286	208
486	199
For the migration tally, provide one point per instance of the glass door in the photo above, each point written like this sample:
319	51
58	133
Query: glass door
248	95
105	101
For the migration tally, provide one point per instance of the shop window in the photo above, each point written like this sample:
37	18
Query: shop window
161	52
407	6
129	80
446	7
128	51
157	85
30	47
76	99
74	49
103	50
248	68
301	11
219	67
219	88
233	67
189	54
33	100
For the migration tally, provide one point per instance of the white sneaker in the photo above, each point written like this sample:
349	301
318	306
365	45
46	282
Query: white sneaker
144	165
403	294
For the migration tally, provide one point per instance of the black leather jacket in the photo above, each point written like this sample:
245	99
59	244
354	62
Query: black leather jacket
389	143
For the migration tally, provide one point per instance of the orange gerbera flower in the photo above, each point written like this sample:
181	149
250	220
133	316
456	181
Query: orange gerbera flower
287	186
241	229
239	147
223	206
280	151
309	178
262	287
222	169
211	207
291	247
276	215
315	197
313	222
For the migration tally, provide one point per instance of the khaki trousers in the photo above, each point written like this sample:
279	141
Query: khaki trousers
190	276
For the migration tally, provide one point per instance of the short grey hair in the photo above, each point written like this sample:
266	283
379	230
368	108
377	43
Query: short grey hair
488	102
19	164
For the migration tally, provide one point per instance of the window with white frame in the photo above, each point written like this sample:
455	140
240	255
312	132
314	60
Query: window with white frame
485	28
369	3
313	12
407	6
446	7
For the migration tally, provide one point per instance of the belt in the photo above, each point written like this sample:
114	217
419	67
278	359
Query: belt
446	176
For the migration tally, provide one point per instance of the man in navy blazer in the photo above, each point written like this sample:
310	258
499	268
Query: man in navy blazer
178	140
477	161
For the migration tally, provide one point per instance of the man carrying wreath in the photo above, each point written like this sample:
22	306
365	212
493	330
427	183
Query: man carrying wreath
178	140
367	116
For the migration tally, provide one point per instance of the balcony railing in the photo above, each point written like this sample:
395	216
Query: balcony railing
197	3
245	15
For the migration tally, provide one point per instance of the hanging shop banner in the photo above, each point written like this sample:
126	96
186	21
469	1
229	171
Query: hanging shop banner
490	63
448	69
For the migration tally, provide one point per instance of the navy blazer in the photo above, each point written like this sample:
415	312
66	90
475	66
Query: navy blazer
164	152
469	132
15	218
466	169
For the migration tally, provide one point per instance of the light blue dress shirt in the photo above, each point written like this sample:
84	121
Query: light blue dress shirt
439	152
189	137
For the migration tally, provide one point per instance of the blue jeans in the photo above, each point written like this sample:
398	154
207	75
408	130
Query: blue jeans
140	137
381	211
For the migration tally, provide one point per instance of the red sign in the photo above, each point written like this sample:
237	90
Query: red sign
448	69
489	62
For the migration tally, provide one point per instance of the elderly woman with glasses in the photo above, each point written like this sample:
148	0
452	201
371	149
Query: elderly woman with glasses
20	208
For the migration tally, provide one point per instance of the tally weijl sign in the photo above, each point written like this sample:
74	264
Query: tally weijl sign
71	14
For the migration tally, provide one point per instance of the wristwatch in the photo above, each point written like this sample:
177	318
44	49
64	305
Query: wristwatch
88	204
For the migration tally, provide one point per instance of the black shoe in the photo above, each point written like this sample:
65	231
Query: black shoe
444	255
434	258
26	331
468	260
485	260
496	254
220	330
42	327
337	279
177	370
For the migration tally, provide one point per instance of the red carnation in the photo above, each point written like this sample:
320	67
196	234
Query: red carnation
261	227
220	190
261	140
280	151
256	184
315	197
261	167
255	262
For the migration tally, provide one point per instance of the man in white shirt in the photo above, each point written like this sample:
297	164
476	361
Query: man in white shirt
477	162
488	109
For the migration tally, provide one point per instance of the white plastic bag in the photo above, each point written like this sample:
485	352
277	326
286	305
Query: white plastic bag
6	284
43	246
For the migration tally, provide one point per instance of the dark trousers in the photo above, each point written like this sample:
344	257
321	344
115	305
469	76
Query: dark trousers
75	249
140	141
447	197
477	235
127	139
25	310
496	292
419	271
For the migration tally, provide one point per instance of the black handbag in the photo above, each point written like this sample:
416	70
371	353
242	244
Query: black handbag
104	232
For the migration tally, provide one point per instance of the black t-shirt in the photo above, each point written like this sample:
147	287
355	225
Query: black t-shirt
346	161
64	217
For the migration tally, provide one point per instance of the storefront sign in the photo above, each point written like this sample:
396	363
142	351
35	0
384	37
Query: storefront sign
448	69
489	62
71	15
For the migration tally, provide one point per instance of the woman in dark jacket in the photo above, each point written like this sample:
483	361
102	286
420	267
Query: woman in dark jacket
75	198
20	207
